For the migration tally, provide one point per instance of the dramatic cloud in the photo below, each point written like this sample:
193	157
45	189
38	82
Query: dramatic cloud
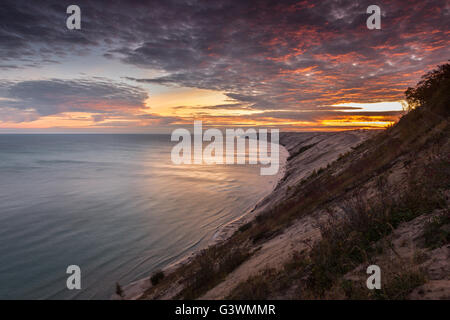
49	97
265	55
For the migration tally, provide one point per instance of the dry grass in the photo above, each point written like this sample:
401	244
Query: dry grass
353	238
210	267
437	231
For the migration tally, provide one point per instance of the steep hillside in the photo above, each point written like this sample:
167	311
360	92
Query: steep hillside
383	202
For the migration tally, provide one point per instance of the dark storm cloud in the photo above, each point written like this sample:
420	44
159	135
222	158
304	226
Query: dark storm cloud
48	97
270	54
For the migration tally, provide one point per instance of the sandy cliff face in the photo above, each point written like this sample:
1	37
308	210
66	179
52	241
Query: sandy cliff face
308	152
407	189
347	200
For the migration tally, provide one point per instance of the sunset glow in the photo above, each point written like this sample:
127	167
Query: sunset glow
375	106
295	65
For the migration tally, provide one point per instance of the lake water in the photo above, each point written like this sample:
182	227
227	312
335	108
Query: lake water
114	205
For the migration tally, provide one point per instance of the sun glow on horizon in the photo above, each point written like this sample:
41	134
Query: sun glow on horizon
373	106
188	101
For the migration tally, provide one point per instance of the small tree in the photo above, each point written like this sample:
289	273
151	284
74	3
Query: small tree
428	86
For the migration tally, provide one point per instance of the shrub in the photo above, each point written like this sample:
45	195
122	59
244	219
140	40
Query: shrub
212	266
119	290
431	83
245	227
157	277
401	285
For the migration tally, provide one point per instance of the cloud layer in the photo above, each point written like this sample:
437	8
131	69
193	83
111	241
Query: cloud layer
55	96
267	55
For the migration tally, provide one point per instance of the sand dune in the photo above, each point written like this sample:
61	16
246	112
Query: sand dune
304	153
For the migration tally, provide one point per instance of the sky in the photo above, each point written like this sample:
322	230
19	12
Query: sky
153	66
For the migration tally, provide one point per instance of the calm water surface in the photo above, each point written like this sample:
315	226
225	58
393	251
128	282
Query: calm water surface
113	204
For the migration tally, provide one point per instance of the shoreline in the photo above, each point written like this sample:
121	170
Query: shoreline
135	289
227	230
304	153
